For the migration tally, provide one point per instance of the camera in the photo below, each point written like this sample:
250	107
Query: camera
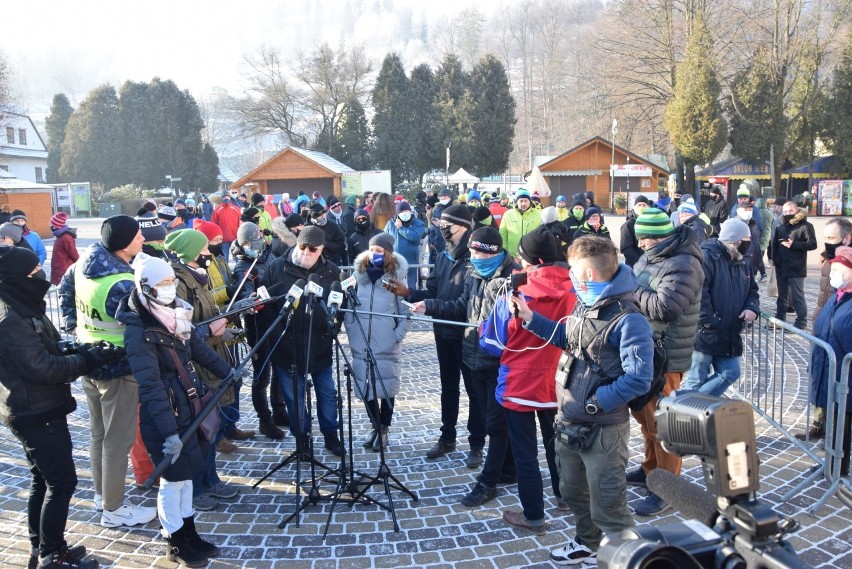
733	528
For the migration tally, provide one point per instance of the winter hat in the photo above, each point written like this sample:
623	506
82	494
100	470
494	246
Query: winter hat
843	255
474	195
463	198
180	201
535	198
431	201
150	271
446	192
548	215
246	232
361	213
332	199
457	214
486	239
481	215
186	244
733	230
538	247
398	198
150	206
653	223
152	229
403	206
688	207
208	228
641	199
59	220
592	210
257	198
166	212
351	200
249	214
715	189
522	193
316	210
312	236
743	191
119	231
561	199
12	231
383	240
295	220
18	214
16	261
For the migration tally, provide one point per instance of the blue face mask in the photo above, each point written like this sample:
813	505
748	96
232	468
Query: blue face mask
378	260
593	290
487	267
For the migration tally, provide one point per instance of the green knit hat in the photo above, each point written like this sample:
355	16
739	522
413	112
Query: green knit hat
743	192
653	223
186	244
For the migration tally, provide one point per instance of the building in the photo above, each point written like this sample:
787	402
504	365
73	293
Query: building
23	152
296	169
34	199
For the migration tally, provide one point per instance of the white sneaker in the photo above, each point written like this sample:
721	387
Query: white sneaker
99	502
128	515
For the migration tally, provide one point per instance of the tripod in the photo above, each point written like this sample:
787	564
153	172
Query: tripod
383	475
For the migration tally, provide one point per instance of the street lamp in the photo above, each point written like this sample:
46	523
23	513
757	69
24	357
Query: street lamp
448	143
612	163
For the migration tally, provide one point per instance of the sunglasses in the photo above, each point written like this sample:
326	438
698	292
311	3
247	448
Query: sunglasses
309	247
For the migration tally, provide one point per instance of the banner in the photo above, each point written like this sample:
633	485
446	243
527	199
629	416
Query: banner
630	170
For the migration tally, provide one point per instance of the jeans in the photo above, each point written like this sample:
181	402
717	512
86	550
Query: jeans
499	459
208	478
450	365
53	480
226	250
231	412
592	482
521	431
326	397
261	382
795	288
725	372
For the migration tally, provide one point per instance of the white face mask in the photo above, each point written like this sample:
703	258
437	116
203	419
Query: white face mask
405	216
166	294
835	279
445	201
744	214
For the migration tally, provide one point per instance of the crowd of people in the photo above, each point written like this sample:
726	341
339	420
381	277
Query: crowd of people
557	331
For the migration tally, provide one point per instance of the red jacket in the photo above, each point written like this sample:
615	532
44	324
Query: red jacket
227	216
64	255
525	381
497	212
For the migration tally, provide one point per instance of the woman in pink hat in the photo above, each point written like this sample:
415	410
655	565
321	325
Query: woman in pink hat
64	248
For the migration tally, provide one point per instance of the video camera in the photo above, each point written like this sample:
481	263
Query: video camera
729	528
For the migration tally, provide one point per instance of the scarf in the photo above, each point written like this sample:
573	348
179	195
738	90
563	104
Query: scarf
177	320
25	295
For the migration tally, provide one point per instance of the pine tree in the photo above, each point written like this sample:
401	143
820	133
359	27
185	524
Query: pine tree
353	137
426	142
55	125
491	116
839	109
208	170
392	120
451	88
756	111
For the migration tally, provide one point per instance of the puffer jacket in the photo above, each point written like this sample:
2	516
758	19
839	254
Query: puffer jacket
359	241
97	263
670	278
717	212
407	238
164	406
834	325
515	225
64	254
384	334
792	262
474	305
446	282
729	288
629	245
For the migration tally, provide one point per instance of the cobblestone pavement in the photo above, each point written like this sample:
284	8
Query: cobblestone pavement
435	531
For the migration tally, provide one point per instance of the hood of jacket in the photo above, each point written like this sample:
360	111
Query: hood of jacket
799	218
280	229
361	272
683	242
100	263
548	282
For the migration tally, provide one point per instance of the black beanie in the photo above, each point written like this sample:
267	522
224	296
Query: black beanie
257	198
119	231
249	213
539	247
294	220
16	262
486	240
458	215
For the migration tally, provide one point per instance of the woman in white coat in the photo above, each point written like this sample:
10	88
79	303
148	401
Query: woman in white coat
383	334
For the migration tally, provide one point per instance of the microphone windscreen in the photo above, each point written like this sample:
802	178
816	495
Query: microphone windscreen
692	501
301	283
335	287
313	278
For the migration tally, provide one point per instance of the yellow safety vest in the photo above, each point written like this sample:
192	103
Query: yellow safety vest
94	323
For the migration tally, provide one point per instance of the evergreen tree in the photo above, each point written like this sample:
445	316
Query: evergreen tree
693	117
353	137
392	120
451	84
492	117
838	118
55	125
208	170
756	111
426	142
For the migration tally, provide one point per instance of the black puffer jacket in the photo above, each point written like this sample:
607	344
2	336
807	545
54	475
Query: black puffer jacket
335	242
280	275
717	212
359	241
475	305
728	289
446	282
629	244
670	278
792	262
164	406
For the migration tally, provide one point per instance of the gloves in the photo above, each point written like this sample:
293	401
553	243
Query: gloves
231	334
244	303
267	233
173	446
97	355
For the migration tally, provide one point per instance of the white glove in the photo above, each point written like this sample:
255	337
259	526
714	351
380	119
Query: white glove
173	446
231	334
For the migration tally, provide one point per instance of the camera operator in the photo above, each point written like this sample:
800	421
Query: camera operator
35	398
605	337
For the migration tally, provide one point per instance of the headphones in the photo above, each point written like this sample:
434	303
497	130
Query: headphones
148	290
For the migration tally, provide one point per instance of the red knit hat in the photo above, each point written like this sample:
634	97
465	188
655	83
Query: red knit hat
208	228
59	220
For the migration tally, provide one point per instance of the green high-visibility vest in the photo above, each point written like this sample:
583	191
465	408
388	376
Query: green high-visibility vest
94	323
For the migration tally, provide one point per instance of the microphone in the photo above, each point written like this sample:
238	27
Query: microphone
348	286
335	299
293	296
691	500
313	289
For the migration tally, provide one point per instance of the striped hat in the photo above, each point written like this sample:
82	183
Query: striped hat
458	215
653	223
59	220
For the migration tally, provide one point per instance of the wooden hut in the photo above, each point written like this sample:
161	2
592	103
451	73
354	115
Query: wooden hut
293	170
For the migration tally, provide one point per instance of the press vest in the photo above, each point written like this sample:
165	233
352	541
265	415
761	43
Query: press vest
94	323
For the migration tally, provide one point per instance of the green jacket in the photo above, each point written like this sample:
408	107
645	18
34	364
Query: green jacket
515	225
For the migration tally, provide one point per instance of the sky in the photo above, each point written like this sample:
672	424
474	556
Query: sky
72	47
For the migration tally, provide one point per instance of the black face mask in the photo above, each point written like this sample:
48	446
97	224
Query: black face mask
363	225
743	247
447	233
830	248
204	260
787	218
215	250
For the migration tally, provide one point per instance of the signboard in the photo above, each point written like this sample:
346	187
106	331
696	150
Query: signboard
831	197
630	170
82	198
356	183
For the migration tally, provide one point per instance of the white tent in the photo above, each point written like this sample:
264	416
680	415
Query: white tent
537	183
462	177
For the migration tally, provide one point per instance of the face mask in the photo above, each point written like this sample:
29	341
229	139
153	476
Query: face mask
444	201
835	279
743	247
405	216
215	250
165	294
743	214
578	213
587	291
204	260
486	221
830	248
363	225
787	218
378	260
447	233
321	220
258	244
487	267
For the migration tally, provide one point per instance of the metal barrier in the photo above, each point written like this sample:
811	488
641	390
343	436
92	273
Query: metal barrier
838	395
770	347
421	279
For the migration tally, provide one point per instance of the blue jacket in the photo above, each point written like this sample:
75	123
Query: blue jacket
407	238
729	288
38	246
834	325
755	215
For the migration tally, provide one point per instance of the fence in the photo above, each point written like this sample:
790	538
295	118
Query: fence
775	381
